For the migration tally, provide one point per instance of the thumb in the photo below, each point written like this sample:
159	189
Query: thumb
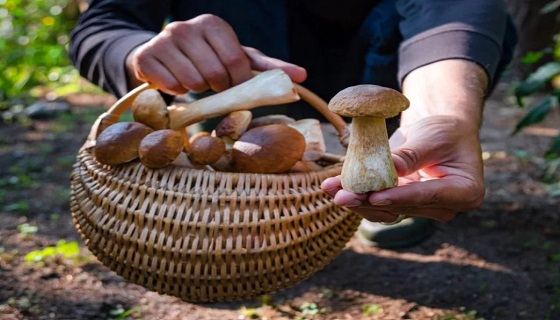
261	62
411	157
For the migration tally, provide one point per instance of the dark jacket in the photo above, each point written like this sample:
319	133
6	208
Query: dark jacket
340	43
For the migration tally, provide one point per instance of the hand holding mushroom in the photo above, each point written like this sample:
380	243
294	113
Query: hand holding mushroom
368	165
436	150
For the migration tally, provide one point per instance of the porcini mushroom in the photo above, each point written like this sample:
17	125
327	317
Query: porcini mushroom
270	87
160	148
119	142
273	148
271	119
206	149
234	124
368	165
150	109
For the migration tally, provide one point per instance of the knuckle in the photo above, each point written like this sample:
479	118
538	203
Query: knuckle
234	60
409	156
211	20
177	28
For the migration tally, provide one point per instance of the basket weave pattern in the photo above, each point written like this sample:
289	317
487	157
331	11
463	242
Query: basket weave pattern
207	236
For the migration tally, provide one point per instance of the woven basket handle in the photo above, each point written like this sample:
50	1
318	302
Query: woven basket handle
112	115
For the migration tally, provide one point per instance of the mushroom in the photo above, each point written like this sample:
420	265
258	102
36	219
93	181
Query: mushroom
314	142
234	124
206	149
270	87
368	165
198	135
183	161
273	148
160	148
119	142
271	119
150	109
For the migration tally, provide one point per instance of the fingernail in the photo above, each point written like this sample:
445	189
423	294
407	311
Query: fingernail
384	202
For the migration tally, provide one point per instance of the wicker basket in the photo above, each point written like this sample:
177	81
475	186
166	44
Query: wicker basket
207	236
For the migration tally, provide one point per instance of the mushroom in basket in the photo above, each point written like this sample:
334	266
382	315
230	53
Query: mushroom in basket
272	148
118	143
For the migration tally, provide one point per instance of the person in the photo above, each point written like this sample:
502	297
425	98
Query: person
445	56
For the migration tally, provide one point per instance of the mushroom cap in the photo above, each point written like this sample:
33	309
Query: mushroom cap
198	135
271	119
272	148
119	142
150	109
234	124
207	149
160	148
367	100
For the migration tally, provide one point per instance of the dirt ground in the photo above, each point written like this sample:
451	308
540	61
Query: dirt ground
501	261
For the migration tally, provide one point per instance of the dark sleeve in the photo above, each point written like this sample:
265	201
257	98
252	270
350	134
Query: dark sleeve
107	32
475	30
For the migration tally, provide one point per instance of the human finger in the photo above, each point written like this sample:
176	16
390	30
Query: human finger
262	62
348	199
183	70
454	193
225	44
152	70
331	185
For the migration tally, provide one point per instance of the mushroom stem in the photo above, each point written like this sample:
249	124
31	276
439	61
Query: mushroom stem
267	88
368	165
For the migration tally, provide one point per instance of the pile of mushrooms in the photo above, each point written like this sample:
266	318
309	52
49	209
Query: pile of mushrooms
239	143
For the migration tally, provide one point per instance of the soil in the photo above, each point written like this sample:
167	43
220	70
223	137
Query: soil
501	261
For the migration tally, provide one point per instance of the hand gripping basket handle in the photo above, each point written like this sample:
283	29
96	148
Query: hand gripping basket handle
112	115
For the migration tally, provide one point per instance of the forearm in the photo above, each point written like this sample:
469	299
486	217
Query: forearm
453	87
107	32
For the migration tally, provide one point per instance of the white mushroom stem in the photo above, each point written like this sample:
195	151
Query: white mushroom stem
368	165
267	88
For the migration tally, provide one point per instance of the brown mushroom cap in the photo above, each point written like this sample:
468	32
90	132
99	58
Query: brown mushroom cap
160	148
234	124
207	149
198	135
273	148
271	119
118	143
150	109
368	100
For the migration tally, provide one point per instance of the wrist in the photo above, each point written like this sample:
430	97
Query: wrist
454	88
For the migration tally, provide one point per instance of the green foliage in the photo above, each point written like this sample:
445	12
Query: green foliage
63	249
544	83
27	229
121	314
309	309
34	35
372	309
